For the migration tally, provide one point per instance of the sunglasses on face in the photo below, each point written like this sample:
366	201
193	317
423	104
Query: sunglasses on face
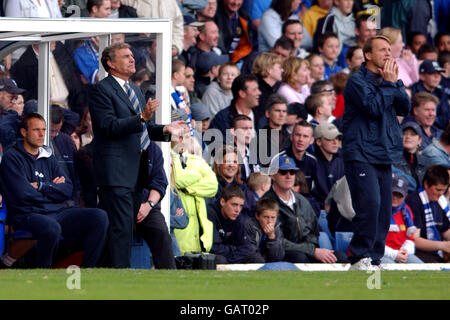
284	172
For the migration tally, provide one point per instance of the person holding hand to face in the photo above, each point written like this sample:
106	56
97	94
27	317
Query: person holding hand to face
372	142
263	231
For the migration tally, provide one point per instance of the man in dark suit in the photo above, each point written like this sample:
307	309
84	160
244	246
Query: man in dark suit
118	126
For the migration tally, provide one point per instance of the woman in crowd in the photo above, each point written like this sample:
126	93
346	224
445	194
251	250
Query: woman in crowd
354	59
316	68
227	168
412	165
408	66
295	80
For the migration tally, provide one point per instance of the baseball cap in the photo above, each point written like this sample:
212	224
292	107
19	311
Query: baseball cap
10	85
200	111
430	66
286	163
192	22
413	125
207	60
400	185
326	130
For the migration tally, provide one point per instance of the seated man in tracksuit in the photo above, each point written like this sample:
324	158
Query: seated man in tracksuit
36	191
230	242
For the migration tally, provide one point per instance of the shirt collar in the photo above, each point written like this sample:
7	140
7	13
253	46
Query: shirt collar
121	82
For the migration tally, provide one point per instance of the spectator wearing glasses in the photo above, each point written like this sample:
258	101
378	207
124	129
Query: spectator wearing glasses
299	223
301	139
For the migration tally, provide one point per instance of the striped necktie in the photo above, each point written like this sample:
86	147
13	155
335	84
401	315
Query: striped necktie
145	140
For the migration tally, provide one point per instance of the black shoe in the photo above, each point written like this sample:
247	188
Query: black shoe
3	266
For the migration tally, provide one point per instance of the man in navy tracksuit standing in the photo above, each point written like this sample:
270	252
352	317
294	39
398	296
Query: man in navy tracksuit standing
36	191
372	141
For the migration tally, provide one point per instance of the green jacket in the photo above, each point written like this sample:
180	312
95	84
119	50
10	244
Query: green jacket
299	226
194	182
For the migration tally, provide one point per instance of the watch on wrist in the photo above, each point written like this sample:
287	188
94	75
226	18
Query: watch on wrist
142	119
151	203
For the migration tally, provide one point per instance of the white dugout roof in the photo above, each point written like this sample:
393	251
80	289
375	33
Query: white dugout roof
19	32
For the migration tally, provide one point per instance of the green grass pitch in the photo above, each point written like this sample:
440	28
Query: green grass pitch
222	285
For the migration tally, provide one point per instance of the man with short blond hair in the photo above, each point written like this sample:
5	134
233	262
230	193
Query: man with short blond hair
424	107
372	142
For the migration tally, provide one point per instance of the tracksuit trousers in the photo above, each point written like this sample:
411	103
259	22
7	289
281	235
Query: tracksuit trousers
86	225
371	191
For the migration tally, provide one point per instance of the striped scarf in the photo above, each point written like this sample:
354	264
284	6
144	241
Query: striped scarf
430	224
407	218
178	103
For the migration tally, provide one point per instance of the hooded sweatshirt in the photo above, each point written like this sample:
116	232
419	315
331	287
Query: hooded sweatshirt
19	168
344	27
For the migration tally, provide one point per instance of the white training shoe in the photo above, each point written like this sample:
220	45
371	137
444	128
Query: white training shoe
364	264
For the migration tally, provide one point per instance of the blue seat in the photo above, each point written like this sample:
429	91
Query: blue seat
2	228
10	236
140	254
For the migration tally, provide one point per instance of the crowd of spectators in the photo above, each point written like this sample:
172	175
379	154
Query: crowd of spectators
260	85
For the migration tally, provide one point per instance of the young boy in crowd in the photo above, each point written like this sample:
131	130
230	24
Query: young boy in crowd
180	109
263	233
431	215
319	108
400	246
329	49
258	183
230	242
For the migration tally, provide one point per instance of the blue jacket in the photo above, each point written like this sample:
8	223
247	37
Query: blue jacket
176	222
19	168
248	210
64	150
415	177
371	132
436	154
328	172
230	238
9	128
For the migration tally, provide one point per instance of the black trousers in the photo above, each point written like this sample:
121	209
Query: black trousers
122	205
371	190
153	229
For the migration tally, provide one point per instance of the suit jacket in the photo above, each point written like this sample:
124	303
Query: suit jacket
117	130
